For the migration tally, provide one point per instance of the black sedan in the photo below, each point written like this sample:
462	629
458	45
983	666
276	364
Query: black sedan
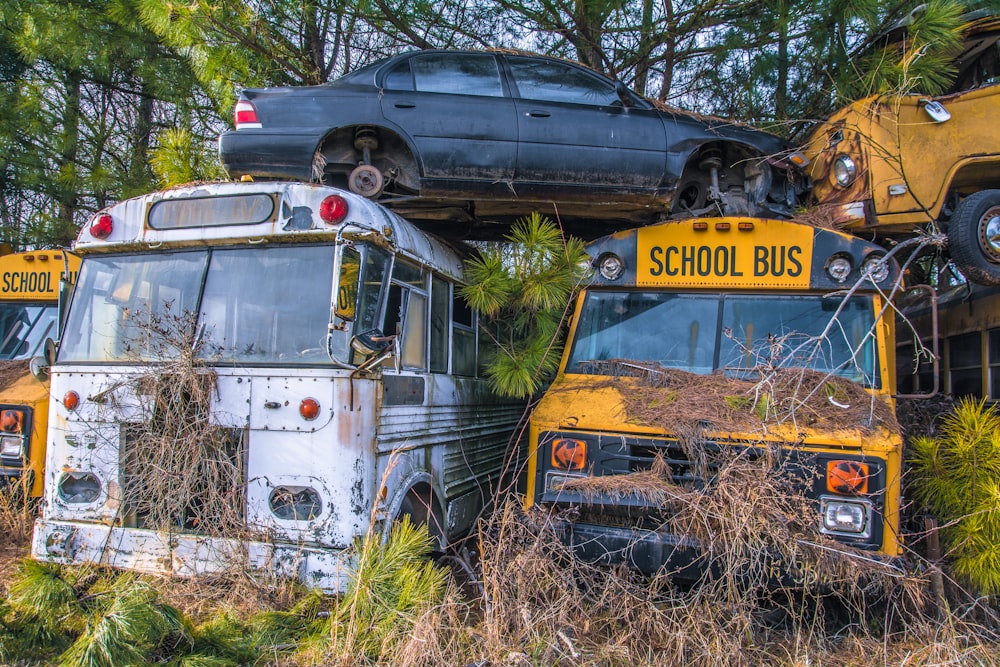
488	136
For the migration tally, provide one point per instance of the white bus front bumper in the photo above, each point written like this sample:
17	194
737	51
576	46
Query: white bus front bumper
186	555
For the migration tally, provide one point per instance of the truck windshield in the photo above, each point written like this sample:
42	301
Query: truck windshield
24	327
739	334
247	305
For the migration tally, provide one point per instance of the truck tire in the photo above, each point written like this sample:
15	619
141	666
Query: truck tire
974	237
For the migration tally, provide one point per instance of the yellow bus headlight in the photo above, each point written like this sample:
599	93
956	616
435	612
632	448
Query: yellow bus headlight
851	518
10	446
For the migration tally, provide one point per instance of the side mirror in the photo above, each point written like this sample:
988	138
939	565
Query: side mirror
371	342
624	95
39	368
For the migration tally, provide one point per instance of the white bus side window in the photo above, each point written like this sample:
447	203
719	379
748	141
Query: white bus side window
440	301
464	338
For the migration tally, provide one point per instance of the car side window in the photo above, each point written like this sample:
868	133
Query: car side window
399	77
456	73
558	82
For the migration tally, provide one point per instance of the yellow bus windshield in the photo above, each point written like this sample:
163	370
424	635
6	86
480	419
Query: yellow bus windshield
24	328
705	332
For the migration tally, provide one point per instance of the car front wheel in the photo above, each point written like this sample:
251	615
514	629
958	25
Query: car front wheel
974	237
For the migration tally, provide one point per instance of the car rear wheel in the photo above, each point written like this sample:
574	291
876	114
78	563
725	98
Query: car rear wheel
366	180
974	237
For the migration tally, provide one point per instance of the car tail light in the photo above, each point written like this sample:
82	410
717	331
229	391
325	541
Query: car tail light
102	226
245	115
333	209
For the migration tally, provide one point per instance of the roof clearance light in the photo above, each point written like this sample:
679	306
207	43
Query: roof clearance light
839	267
102	226
611	266
245	115
875	268
333	210
844	170
745	226
71	400
699	226
309	408
722	226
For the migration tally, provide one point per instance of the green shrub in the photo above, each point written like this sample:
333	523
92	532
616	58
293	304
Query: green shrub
956	476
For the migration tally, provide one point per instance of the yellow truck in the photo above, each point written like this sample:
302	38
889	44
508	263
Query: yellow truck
887	165
30	285
675	307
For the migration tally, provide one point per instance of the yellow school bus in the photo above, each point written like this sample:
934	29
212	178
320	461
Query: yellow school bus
29	313
727	299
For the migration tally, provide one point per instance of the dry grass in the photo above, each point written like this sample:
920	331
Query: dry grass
691	402
12	370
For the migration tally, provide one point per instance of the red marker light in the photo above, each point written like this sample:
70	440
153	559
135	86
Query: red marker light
333	209
102	226
71	400
309	408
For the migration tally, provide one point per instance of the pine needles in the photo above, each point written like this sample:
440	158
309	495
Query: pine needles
956	475
523	290
394	580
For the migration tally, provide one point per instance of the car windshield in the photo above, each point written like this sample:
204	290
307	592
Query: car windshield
247	305
24	328
702	333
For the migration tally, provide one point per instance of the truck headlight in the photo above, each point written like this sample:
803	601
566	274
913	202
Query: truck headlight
844	170
10	446
850	518
295	503
79	487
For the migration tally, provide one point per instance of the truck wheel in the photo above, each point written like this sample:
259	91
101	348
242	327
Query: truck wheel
419	506
974	237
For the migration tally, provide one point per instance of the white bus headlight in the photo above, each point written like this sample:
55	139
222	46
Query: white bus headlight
295	503
10	446
844	170
875	268
849	518
839	268
79	487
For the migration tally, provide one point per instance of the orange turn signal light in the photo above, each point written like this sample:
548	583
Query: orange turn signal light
569	453
309	408
11	420
847	477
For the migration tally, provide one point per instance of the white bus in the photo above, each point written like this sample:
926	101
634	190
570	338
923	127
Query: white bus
340	370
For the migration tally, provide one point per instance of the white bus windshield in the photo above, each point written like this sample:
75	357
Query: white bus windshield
737	333
244	305
24	328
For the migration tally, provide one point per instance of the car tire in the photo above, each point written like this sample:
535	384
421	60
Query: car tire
974	237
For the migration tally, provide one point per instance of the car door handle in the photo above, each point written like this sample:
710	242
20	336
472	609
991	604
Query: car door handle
537	114
404	105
